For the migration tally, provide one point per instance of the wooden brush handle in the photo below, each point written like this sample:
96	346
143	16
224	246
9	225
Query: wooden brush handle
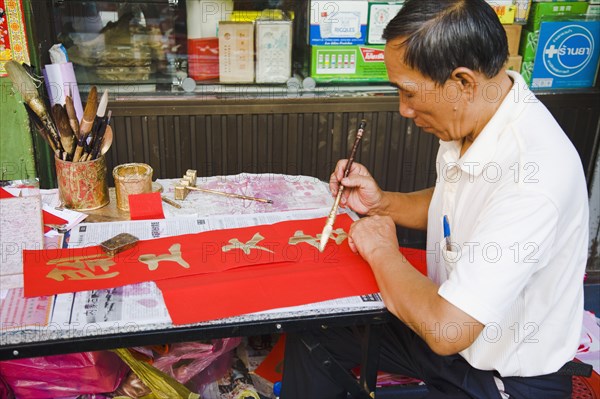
359	134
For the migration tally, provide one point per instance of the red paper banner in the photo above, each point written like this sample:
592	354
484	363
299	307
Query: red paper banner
48	272
264	287
273	286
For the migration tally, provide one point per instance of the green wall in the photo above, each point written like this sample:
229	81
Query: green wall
23	153
16	144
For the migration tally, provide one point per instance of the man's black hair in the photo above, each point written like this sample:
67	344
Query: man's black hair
441	35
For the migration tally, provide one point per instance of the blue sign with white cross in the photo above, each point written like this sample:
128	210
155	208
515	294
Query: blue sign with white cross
567	54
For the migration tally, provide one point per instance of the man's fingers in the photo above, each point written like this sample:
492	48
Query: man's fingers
356	181
337	177
352	245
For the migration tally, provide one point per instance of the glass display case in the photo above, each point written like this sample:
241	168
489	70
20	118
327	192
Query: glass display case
167	46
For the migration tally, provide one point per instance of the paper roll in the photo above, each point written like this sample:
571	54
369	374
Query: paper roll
60	81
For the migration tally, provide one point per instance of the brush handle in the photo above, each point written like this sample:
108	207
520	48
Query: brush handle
79	149
338	197
359	134
333	213
232	195
99	135
47	122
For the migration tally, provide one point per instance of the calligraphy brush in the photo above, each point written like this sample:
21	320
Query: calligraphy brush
100	135
39	126
85	127
73	121
24	84
226	194
331	218
99	120
67	137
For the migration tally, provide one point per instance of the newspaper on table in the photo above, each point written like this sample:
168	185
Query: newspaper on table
141	306
52	204
87	234
20	228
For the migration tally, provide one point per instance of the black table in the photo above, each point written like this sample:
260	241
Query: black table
247	325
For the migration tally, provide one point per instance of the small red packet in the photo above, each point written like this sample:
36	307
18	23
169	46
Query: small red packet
145	206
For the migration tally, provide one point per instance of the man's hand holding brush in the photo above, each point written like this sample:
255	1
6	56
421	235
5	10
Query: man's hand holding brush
361	193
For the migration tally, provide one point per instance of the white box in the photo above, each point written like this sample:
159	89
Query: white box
273	51
380	14
338	22
236	52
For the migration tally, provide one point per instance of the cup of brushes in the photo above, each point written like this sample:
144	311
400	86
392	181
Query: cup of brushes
78	146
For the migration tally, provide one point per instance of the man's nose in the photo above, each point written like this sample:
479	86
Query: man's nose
406	111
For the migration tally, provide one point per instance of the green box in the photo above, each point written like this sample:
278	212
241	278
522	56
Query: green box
545	11
527	71
528	44
358	63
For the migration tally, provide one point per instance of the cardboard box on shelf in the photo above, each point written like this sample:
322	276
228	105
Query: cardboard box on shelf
203	58
236	52
545	11
593	10
273	51
528	44
513	34
505	9
522	11
566	55
379	16
341	22
514	63
348	63
527	70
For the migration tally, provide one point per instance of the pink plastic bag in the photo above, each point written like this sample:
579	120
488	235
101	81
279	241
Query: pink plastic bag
63	375
188	359
5	392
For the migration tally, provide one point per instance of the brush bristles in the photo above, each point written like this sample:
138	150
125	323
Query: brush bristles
70	107
91	106
103	104
22	82
325	236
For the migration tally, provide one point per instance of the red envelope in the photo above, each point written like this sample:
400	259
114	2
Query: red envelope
145	206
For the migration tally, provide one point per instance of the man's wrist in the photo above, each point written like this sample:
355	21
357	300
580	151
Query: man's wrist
381	208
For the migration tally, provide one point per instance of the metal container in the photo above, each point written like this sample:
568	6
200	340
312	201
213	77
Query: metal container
131	178
82	185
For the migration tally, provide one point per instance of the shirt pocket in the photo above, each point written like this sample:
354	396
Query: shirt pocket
450	256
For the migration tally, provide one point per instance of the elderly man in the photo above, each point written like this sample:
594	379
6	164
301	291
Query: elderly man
507	224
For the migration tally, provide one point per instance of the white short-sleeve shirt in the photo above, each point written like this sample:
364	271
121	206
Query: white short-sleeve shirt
517	206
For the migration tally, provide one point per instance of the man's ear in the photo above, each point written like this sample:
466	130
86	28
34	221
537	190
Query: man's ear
466	80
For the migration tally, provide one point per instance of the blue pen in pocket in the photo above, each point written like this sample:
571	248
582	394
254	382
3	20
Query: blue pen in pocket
447	234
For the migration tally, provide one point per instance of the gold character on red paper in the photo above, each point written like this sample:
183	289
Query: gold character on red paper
337	235
82	268
234	243
174	255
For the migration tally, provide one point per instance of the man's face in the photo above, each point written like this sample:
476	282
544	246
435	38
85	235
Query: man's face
434	108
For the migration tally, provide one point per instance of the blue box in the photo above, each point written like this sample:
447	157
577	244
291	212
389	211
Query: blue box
342	22
567	55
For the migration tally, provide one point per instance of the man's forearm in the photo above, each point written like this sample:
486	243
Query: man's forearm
406	209
414	299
